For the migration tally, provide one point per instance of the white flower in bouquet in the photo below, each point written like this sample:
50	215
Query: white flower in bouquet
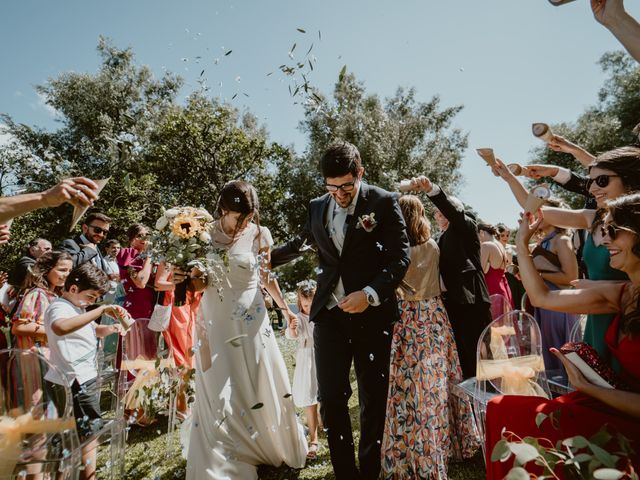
172	212
182	240
205	237
161	223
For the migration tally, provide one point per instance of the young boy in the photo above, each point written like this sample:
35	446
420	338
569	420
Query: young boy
72	334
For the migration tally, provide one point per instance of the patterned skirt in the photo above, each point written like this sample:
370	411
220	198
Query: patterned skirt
425	424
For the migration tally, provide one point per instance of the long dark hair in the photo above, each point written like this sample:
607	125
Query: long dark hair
624	162
37	276
418	227
625	212
241	197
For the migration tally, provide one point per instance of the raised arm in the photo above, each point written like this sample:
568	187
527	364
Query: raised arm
140	278
295	247
78	191
625	28
560	144
598	299
499	169
567	179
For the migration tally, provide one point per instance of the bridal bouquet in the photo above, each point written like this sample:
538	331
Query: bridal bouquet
182	239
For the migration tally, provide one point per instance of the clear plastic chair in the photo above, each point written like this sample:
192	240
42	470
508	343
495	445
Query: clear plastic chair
38	435
107	371
499	305
146	373
509	362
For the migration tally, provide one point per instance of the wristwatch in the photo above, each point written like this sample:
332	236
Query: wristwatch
370	299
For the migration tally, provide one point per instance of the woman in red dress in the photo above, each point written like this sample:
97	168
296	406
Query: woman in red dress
590	407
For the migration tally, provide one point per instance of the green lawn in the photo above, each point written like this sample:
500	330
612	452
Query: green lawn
147	456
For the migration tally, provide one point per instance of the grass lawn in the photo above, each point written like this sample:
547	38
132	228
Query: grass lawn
147	456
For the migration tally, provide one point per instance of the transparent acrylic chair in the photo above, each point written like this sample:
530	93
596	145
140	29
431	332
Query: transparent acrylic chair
147	371
558	379
499	305
38	437
509	362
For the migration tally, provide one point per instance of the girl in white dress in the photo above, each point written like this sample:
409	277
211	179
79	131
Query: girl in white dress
305	383
243	414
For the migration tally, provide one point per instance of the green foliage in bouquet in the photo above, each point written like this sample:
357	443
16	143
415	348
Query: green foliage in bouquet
575	457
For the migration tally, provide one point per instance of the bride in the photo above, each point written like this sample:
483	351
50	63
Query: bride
244	414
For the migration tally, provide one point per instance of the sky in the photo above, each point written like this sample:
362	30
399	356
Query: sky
508	62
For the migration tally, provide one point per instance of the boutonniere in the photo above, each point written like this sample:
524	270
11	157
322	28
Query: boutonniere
367	222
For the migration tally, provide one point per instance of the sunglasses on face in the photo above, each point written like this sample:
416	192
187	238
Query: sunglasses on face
601	180
345	187
99	230
611	230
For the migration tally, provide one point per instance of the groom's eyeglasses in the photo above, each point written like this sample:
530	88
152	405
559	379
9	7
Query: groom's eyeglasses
345	187
601	180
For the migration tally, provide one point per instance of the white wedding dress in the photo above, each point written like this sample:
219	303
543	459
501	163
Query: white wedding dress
244	414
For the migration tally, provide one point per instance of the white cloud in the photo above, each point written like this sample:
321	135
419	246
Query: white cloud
5	138
42	104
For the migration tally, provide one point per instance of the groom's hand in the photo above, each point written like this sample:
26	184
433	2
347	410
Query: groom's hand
355	302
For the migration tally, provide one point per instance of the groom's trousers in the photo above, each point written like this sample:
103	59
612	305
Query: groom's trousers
340	339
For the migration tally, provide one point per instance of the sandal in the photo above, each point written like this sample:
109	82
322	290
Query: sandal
313	451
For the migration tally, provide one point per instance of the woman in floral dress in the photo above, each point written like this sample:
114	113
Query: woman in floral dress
425	424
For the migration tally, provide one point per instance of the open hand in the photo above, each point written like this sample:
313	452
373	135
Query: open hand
528	226
576	378
355	302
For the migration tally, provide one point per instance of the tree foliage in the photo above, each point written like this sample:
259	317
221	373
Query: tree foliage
610	123
123	123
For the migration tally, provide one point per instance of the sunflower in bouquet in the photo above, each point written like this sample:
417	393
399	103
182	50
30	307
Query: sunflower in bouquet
182	239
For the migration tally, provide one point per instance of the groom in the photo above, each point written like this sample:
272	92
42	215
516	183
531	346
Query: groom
363	251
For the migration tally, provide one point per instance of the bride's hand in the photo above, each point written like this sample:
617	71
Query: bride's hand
179	275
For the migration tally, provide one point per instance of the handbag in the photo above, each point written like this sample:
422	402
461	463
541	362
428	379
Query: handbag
591	365
161	315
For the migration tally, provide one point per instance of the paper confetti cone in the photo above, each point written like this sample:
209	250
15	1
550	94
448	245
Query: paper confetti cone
537	196
78	212
487	155
542	131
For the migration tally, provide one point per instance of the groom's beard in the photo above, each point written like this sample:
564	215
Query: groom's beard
346	200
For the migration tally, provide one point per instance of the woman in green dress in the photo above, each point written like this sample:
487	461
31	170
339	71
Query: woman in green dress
611	175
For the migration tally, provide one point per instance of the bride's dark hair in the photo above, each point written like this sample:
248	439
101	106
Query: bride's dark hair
241	197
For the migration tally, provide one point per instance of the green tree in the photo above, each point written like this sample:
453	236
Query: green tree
398	137
610	123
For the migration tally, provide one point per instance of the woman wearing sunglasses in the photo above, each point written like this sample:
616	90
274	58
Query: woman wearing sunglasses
611	175
590	407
